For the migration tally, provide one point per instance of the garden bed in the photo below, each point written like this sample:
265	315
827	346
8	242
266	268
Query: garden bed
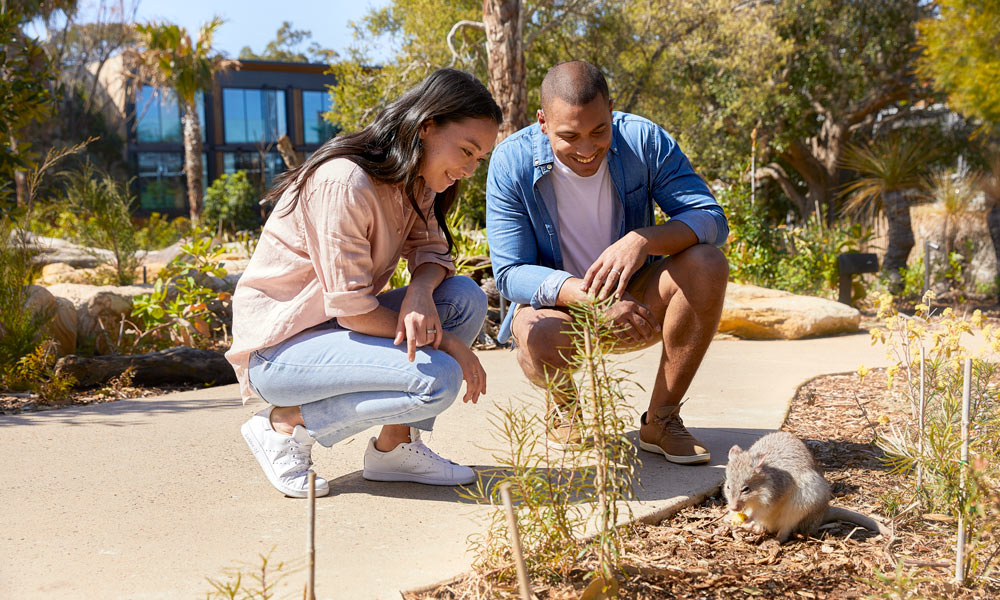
696	554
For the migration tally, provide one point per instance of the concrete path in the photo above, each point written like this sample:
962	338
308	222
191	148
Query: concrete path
146	498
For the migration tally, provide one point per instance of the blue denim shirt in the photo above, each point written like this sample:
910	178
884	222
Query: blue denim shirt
646	166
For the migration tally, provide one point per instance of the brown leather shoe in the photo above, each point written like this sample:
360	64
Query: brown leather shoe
560	430
667	435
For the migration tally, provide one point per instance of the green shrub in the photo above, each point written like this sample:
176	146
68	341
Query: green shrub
157	232
754	244
231	204
19	329
103	206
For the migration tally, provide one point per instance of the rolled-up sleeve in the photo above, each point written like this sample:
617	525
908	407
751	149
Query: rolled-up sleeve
682	194
337	230
426	244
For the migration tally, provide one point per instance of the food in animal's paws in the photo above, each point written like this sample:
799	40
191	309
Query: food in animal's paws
737	518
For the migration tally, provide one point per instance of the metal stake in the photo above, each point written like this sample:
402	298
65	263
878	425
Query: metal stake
515	544
964	465
920	421
311	539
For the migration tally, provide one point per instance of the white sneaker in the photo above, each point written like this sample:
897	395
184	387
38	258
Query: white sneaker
415	462
285	458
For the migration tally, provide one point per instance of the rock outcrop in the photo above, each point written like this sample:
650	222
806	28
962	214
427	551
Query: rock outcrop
757	313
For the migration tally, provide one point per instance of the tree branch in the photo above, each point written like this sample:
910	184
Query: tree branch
451	36
777	172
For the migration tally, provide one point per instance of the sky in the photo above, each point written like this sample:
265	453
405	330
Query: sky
254	22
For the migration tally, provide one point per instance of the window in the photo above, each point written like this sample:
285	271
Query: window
253	116
158	115
162	182
250	162
317	129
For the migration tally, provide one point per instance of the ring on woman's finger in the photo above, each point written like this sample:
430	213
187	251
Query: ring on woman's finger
432	331
616	271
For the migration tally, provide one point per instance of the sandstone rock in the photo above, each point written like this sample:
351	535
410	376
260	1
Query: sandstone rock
99	309
759	313
61	315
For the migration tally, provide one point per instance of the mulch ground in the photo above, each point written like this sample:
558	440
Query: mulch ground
697	554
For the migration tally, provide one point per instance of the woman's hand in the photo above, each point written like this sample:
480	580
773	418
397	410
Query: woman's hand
472	369
419	323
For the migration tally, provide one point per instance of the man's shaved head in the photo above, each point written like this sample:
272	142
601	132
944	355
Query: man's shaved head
575	82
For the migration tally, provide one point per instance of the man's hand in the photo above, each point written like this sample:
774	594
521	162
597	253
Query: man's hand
613	269
634	322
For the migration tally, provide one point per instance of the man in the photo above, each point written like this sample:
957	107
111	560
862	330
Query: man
569	215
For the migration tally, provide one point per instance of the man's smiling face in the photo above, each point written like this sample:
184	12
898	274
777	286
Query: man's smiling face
580	135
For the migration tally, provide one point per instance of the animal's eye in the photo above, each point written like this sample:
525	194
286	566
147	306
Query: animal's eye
746	489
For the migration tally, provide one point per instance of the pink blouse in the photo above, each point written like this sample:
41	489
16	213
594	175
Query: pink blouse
328	258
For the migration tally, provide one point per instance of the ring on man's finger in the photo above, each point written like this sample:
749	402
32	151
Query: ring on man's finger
616	271
432	331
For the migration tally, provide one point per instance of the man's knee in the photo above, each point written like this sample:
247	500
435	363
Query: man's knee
541	347
707	260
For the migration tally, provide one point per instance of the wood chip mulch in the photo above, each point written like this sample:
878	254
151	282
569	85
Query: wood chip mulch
696	554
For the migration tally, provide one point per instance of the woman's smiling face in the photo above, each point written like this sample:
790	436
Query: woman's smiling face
453	150
580	135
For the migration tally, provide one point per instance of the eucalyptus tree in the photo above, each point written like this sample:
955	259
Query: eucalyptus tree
168	58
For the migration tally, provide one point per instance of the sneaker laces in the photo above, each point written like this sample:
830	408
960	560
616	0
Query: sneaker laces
300	453
419	446
671	422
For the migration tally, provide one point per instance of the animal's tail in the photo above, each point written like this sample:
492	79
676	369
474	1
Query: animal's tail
834	513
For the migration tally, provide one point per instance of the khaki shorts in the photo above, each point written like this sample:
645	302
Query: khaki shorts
635	286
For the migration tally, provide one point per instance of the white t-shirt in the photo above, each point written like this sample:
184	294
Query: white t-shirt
585	208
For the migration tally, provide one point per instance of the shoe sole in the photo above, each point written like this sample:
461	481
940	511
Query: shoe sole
399	477
681	460
258	453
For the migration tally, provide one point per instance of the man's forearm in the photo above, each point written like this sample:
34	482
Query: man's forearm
669	238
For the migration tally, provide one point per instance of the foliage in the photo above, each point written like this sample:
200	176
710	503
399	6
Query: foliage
103	208
285	47
556	493
36	372
19	328
24	95
892	164
962	55
801	260
181	309
250	582
157	232
929	445
231	204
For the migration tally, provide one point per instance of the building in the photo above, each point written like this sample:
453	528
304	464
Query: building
242	118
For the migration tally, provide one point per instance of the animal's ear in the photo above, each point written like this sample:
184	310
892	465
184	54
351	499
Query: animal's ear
734	451
760	462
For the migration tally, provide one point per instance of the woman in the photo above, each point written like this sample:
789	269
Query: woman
313	336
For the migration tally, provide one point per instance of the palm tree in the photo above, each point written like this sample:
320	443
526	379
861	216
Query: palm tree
889	171
168	59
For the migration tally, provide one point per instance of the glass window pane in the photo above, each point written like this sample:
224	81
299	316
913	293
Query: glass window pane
147	112
161	181
254	115
234	115
170	117
250	162
317	129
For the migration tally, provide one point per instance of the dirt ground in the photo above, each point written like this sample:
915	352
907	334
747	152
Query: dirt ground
697	554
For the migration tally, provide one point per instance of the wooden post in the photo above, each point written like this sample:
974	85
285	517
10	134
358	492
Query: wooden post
964	466
515	543
311	540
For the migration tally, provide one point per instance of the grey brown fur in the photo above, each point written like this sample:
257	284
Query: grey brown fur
777	485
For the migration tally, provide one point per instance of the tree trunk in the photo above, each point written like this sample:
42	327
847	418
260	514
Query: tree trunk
174	365
900	233
993	225
192	160
20	178
505	62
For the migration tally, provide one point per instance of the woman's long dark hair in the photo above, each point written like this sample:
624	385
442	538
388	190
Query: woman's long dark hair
389	149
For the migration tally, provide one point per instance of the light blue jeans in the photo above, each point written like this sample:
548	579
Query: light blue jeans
346	382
